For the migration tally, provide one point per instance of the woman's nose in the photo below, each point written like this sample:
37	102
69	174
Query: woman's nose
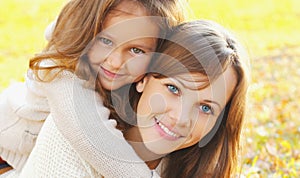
179	113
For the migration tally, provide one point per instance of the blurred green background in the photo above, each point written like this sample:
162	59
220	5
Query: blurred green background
270	31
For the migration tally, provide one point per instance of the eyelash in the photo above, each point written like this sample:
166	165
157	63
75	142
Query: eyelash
137	49
173	87
105	41
211	111
108	42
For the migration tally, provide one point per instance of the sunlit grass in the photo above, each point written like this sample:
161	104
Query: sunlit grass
268	28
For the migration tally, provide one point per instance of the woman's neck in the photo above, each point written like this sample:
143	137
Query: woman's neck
133	137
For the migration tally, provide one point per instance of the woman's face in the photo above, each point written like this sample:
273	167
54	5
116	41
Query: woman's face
173	114
123	49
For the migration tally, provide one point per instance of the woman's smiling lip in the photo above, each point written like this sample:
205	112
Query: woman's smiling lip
110	74
165	132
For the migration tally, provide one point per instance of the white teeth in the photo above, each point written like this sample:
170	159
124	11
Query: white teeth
165	129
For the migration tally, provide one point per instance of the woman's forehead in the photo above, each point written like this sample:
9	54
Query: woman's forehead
192	81
196	81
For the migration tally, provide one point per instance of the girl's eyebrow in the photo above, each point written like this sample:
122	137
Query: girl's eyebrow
143	46
136	44
106	34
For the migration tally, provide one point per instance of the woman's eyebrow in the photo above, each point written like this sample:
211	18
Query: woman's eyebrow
214	102
191	84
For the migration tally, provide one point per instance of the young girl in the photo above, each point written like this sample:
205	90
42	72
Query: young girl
189	107
79	23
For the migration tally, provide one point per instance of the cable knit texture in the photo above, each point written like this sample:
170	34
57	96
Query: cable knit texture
78	121
54	157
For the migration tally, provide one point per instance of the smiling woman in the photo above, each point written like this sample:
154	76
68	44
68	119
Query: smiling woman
194	92
173	115
22	26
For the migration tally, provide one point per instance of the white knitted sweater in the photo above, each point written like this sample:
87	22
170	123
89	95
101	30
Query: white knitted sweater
22	113
78	121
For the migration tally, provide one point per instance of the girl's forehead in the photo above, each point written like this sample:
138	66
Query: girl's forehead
128	8
129	15
123	29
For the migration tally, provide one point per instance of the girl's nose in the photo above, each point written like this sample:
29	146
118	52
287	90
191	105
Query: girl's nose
114	59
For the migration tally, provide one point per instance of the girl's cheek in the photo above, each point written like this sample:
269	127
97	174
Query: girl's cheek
137	66
98	54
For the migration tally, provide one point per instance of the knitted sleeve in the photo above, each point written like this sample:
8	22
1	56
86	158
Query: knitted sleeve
22	112
80	116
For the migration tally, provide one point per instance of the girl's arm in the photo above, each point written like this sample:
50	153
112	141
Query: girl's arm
21	117
82	119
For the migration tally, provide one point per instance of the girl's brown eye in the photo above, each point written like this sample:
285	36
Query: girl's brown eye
137	51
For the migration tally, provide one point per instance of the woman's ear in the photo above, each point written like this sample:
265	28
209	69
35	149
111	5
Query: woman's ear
141	84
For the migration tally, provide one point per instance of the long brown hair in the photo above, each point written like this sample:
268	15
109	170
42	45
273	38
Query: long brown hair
204	47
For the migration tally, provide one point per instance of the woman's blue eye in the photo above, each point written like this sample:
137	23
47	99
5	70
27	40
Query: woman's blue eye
173	89
105	41
137	51
206	109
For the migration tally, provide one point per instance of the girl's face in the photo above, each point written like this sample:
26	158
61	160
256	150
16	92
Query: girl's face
122	51
173	114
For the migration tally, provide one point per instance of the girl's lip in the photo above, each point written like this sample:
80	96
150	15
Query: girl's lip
165	131
110	74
